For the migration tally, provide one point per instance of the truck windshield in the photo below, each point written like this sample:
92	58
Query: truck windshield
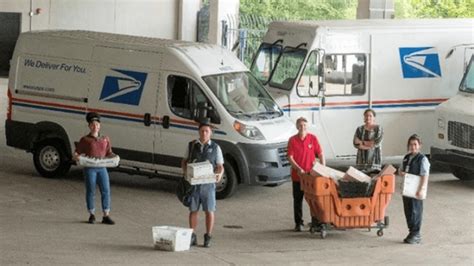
287	68
243	96
467	84
265	60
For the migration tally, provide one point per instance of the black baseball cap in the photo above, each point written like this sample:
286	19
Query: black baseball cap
92	116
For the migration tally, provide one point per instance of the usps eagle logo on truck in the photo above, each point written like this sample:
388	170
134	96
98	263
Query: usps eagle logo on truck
124	86
420	62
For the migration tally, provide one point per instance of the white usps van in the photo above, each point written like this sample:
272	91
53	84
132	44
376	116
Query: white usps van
148	92
330	71
454	125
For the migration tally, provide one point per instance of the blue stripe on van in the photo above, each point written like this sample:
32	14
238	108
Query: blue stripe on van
62	110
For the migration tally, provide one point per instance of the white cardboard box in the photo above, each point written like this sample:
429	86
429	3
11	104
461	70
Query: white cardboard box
322	170
410	186
96	162
200	173
172	238
353	174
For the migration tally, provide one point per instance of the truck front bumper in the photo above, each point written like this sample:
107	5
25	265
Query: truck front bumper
453	158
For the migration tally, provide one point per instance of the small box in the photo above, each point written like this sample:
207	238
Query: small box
322	170
200	173
410	186
171	238
353	174
387	170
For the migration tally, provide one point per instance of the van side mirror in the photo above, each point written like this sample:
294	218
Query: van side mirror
204	112
200	112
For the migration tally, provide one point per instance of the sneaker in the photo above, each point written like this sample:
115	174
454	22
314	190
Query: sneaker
193	240
298	228
107	220
207	240
91	219
416	239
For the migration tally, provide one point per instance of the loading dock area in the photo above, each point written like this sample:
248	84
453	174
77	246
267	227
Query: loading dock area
43	222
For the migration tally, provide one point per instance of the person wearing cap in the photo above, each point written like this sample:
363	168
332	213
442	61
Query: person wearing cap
200	150
96	146
303	149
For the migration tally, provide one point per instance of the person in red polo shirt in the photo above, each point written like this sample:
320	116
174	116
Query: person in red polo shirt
96	146
303	149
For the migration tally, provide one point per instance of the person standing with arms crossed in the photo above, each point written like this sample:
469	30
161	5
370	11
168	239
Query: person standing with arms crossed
303	149
96	146
200	150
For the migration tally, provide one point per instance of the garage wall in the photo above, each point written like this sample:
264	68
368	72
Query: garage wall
153	18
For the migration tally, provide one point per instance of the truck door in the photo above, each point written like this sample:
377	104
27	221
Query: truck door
124	92
344	98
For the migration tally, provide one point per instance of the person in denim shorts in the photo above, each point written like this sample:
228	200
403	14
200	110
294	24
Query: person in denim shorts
200	150
96	146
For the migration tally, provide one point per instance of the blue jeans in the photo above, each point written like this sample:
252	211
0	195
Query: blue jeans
99	176
413	213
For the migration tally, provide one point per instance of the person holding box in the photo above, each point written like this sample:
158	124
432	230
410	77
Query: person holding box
417	164
200	150
96	146
303	149
368	142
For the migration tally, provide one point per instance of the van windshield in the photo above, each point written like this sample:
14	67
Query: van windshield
467	85
243	96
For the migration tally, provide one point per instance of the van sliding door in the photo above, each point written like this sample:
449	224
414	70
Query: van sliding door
124	91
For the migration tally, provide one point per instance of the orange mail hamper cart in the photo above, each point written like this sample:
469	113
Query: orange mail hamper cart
332	211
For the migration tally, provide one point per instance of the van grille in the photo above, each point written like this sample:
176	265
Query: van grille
461	135
283	154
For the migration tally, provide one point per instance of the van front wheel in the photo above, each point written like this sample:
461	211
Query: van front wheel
228	184
50	159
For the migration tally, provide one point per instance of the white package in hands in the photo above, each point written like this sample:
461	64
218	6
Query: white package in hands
410	186
200	173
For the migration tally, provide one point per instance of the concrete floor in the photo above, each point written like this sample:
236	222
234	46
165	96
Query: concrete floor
42	222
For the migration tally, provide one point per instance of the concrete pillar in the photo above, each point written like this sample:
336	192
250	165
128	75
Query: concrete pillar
219	10
376	9
187	19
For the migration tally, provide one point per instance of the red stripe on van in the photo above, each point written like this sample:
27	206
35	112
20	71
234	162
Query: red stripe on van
9	108
366	102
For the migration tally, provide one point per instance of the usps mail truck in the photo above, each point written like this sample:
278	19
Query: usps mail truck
454	124
330	71
148	92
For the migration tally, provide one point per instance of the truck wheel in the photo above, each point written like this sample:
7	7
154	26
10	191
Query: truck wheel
50	159
228	184
462	173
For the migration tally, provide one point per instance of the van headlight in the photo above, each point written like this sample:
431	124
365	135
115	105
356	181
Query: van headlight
441	123
247	131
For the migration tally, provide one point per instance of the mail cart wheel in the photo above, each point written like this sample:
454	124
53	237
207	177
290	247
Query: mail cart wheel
324	233
228	184
386	221
50	158
380	232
